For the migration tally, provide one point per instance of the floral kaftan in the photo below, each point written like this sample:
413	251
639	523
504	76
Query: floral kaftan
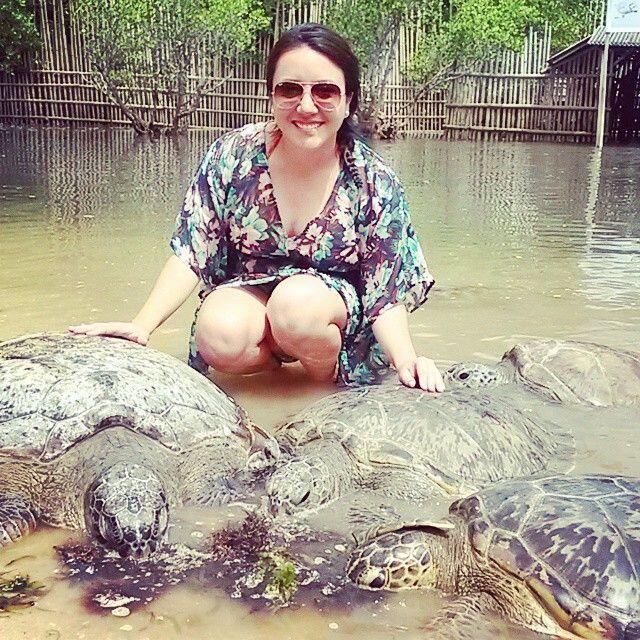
362	244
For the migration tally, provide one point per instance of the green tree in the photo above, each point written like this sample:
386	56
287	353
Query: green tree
477	29
156	45
373	27
18	33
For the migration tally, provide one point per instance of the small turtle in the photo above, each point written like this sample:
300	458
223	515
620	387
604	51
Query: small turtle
109	435
559	555
560	370
410	445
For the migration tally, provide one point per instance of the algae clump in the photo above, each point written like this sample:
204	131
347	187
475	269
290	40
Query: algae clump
281	576
18	592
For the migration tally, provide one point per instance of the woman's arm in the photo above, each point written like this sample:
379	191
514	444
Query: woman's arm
391	329
173	286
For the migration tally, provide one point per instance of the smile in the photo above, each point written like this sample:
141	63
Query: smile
307	126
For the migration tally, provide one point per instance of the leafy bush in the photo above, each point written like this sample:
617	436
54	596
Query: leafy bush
18	33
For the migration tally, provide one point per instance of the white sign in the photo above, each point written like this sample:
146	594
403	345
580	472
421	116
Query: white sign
623	15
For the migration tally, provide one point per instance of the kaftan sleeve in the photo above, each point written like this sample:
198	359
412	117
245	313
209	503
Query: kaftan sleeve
200	235
393	267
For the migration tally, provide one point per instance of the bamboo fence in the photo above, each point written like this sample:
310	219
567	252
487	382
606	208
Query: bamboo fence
508	96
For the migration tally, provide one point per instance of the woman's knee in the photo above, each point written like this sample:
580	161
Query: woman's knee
224	334
302	307
219	340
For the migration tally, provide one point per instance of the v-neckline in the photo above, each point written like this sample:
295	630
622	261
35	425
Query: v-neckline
274	202
320	215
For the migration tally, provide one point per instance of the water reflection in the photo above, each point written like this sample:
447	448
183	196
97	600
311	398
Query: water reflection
92	172
525	240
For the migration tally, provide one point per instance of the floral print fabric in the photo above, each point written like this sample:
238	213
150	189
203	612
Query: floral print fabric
362	244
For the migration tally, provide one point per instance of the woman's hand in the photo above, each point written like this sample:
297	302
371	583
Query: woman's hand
391	329
420	372
126	330
173	286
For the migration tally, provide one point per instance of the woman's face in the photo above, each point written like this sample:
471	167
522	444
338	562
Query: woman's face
305	124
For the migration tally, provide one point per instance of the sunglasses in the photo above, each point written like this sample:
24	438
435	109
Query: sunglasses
325	95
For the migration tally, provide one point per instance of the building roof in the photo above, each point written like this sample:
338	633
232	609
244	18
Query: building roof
617	39
561	56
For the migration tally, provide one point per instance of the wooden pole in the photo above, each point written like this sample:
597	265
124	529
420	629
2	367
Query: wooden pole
602	92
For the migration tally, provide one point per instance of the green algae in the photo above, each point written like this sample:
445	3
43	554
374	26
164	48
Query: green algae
18	592
280	575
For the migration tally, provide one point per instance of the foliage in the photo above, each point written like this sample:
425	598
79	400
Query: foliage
254	553
373	27
476	29
156	42
454	32
18	592
367	24
570	20
18	33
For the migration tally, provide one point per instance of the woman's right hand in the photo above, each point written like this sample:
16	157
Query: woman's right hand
126	330
173	286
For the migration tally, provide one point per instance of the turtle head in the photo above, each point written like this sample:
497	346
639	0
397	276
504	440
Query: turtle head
407	558
308	483
473	375
321	471
126	509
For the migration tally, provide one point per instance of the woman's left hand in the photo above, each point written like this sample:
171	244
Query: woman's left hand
421	372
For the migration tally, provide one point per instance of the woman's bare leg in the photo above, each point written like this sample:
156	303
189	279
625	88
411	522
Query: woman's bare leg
306	319
232	331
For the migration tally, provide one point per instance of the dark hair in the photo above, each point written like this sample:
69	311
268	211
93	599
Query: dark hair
337	49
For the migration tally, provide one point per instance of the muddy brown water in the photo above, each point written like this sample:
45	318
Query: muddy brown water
525	240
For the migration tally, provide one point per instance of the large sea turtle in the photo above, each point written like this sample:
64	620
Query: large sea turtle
410	445
559	555
105	434
561	370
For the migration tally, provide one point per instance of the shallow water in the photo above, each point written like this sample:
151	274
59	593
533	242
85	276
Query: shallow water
524	240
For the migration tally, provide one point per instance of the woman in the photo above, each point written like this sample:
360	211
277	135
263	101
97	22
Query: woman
299	236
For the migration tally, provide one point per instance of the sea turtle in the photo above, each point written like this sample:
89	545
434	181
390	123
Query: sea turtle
560	370
410	445
559	555
109	435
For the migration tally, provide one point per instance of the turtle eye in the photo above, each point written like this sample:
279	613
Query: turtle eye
378	582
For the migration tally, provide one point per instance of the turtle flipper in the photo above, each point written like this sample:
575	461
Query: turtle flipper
213	490
404	484
465	618
17	518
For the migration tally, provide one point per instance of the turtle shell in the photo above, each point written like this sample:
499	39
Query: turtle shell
580	372
58	389
575	542
462	439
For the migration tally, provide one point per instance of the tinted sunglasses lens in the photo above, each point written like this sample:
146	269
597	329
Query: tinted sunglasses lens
288	91
326	94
